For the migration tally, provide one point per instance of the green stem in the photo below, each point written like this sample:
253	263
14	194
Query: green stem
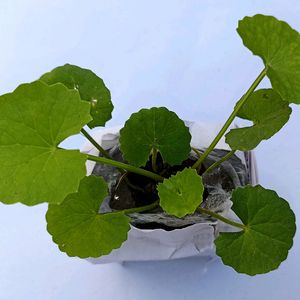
231	118
97	146
93	142
219	217
141	208
136	209
219	162
124	166
154	157
196	151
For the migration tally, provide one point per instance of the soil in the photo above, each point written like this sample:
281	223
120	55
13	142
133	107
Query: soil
133	190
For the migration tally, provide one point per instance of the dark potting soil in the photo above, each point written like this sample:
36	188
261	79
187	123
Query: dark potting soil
132	190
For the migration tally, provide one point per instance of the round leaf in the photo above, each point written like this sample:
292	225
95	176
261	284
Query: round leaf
34	119
279	47
91	88
78	228
268	234
267	111
181	194
155	128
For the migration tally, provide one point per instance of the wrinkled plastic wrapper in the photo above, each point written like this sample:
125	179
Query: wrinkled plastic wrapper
192	235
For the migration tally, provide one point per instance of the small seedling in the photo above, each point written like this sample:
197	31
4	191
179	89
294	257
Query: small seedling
38	116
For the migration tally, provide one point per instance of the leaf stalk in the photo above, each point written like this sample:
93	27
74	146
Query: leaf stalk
231	118
137	209
219	162
154	158
221	218
94	143
120	165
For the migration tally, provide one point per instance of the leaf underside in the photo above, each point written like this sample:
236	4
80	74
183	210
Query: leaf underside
32	124
155	128
279	47
268	235
78	228
268	112
91	88
181	194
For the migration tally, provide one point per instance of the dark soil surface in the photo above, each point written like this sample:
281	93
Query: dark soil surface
133	190
130	190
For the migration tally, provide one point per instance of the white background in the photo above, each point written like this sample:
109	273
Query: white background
184	55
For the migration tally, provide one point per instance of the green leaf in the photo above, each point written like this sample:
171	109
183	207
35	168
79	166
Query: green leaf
155	128
267	111
34	120
91	88
181	194
77	227
279	47
268	234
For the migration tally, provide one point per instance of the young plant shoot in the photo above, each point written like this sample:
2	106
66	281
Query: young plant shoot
36	117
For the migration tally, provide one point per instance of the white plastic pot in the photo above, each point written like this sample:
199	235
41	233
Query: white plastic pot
159	244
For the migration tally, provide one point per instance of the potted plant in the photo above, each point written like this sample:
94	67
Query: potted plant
152	158
155	235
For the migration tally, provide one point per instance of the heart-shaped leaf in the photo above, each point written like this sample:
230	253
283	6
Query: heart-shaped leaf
155	128
78	228
279	47
34	120
267	111
268	234
91	88
181	194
